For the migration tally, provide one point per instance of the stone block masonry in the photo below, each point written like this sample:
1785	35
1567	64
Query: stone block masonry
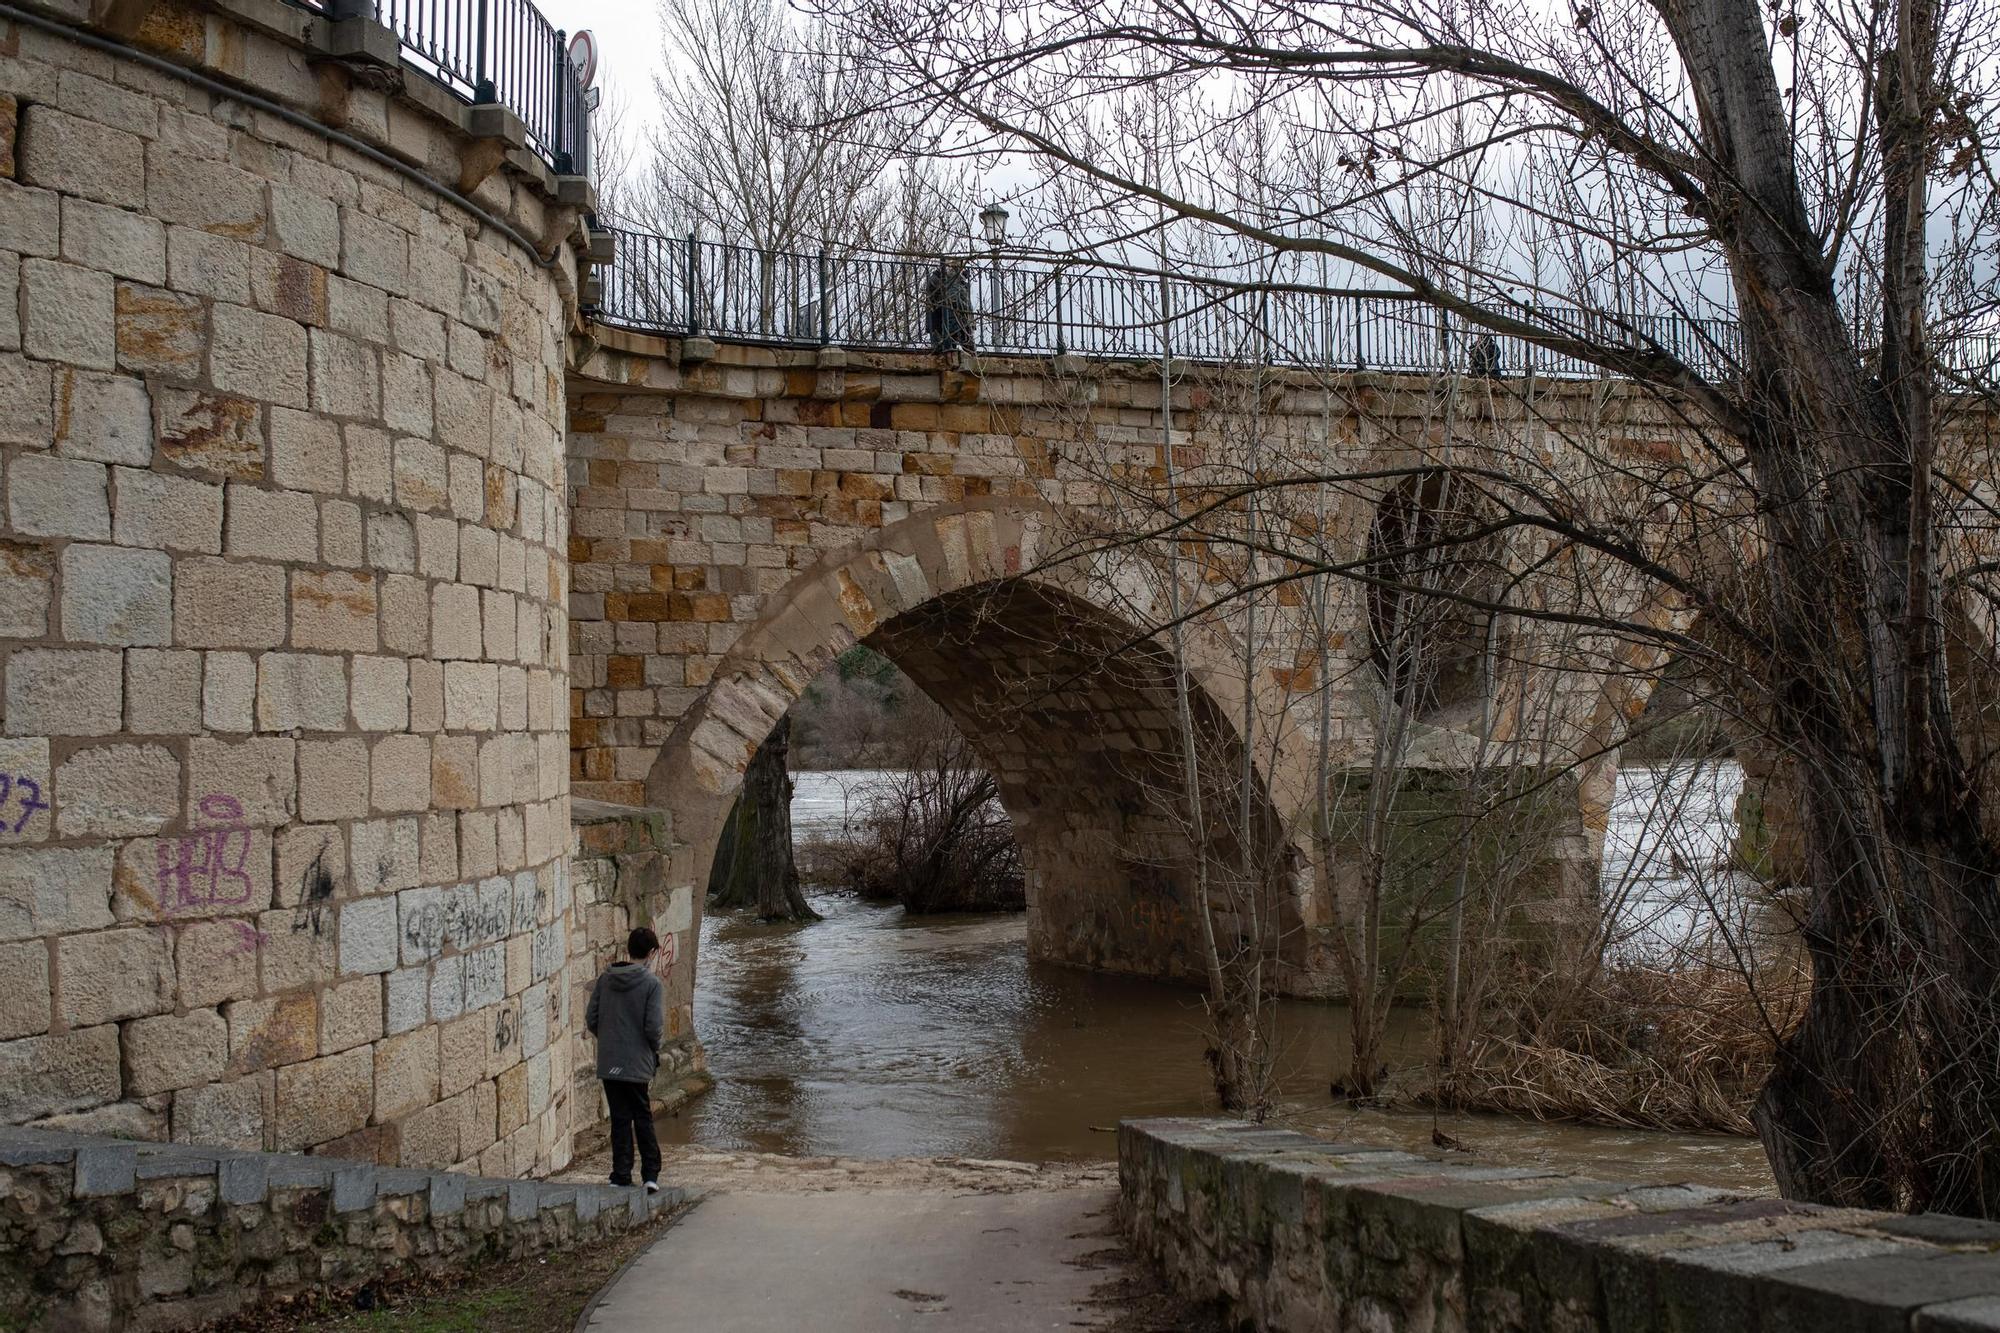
284	822
100	1234
1291	1233
618	870
740	515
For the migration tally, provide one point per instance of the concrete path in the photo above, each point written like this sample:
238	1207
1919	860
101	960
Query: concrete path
854	1262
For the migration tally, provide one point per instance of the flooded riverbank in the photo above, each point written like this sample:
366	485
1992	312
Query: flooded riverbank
873	1035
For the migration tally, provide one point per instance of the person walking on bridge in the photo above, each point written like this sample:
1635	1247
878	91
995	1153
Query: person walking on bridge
627	1016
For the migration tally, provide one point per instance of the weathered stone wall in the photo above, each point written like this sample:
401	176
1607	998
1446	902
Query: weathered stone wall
741	518
700	492
96	1234
617	873
285	823
1292	1234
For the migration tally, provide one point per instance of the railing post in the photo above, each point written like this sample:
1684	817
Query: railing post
825	313
693	325
1062	343
482	77
559	94
337	10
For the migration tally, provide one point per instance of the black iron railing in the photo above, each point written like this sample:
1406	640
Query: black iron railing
491	51
667	284
680	285
505	52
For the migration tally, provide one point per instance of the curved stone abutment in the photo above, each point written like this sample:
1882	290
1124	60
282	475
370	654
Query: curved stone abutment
283	848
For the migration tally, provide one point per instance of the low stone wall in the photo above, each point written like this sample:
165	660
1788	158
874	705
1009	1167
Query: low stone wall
104	1234
1293	1233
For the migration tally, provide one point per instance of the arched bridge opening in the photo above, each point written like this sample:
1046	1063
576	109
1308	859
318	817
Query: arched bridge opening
1074	711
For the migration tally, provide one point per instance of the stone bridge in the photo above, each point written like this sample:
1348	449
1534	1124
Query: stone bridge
743	513
340	549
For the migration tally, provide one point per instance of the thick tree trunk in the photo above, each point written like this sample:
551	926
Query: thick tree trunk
1887	1094
753	865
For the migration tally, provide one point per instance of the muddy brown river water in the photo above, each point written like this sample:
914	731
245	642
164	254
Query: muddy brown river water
872	1035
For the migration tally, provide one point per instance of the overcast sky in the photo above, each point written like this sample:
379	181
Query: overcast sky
628	44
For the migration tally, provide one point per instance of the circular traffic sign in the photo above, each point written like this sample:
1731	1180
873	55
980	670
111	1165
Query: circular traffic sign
583	57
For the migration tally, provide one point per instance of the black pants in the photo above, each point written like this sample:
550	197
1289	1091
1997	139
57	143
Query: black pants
631	1118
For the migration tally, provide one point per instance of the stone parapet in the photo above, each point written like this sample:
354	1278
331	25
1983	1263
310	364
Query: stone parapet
1292	1233
101	1234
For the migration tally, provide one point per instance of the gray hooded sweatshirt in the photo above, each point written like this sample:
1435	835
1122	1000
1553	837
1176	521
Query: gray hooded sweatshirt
626	1015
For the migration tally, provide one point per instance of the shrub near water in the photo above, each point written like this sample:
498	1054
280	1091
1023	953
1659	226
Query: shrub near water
932	837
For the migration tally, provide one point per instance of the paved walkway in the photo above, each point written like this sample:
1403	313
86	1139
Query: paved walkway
855	1262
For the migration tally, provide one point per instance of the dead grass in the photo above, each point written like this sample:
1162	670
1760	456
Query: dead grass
543	1294
1681	1048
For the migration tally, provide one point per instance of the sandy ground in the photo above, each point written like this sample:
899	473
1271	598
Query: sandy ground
704	1171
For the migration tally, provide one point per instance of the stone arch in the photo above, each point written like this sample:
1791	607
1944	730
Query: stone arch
971	601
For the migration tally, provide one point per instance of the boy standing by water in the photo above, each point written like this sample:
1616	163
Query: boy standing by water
627	1016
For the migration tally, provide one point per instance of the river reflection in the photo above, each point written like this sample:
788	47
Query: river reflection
869	1035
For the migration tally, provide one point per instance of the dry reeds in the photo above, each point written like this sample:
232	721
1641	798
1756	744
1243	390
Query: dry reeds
1643	1045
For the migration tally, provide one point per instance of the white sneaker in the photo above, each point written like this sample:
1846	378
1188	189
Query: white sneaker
652	1187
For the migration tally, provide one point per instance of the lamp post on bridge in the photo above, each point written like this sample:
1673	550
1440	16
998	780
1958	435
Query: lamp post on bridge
993	226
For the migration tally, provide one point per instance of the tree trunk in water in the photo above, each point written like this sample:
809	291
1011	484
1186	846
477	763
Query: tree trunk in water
753	864
1232	1059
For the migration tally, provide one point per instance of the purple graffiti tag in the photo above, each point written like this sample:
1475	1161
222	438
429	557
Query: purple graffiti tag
29	803
248	938
31	798
205	868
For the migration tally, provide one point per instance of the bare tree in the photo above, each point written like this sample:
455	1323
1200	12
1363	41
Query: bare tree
1779	218
759	145
612	145
932	834
863	712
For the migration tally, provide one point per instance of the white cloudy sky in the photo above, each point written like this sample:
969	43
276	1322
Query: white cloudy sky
628	43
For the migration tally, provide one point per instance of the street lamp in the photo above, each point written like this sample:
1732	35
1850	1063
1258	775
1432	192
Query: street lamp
993	225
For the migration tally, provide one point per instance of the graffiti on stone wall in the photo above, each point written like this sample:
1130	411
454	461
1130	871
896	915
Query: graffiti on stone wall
248	939
205	869
485	977
477	913
1150	917
506	1029
423	928
20	801
315	897
664	958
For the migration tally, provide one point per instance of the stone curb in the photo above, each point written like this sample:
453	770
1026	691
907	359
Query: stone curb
1294	1233
386	1219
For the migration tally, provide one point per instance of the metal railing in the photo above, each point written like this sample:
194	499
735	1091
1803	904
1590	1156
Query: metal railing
491	51
681	285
